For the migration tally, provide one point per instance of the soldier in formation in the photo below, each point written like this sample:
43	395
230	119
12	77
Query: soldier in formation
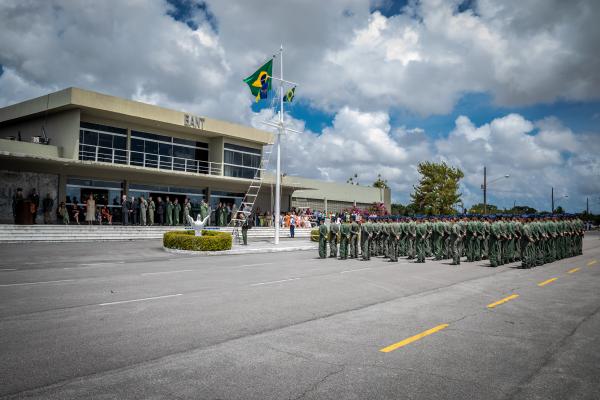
531	240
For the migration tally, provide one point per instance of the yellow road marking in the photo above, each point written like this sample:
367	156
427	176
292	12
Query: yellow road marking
572	271
504	300
413	338
591	263
547	282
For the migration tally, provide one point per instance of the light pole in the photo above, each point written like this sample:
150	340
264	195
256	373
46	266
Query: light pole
485	185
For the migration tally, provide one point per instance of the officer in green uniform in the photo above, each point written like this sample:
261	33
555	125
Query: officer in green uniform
354	234
345	240
187	208
365	239
176	212
470	238
334	233
323	235
495	243
456	237
169	210
421	237
438	237
204	210
151	210
412	237
245	227
485	239
393	240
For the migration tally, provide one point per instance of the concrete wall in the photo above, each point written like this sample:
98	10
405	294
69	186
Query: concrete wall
28	148
62	128
11	180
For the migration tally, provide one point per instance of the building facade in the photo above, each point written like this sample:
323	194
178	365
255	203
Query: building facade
73	143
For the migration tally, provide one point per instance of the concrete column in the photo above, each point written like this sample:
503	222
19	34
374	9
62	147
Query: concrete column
325	201
128	145
125	187
62	187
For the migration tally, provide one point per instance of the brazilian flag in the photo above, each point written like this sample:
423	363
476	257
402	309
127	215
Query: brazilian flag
289	95
260	81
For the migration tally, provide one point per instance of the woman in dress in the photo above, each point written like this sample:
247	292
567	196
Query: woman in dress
90	210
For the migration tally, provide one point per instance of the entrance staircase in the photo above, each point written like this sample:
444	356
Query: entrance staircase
91	233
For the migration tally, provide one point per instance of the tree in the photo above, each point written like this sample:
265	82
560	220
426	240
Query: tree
478	209
398	209
437	191
559	210
380	183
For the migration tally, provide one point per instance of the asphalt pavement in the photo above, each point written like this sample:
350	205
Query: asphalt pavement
127	320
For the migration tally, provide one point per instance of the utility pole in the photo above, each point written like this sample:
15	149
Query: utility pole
484	187
587	205
552	212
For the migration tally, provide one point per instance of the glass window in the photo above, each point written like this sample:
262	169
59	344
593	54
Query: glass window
119	142
90	138
151	147
137	145
105	140
104	128
137	159
242	148
165	149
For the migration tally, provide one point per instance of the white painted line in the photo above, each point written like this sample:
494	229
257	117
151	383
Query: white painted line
36	283
253	265
167	272
269	283
8	269
144	299
103	263
354	270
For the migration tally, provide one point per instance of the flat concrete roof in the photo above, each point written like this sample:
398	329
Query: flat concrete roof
102	105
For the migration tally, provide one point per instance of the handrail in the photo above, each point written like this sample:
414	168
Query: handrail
88	152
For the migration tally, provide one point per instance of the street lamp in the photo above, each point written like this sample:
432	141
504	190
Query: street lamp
485	185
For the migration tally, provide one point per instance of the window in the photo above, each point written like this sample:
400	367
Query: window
241	161
102	143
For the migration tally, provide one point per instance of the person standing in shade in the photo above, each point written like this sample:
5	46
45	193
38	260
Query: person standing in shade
17	204
90	210
204	210
169	211
143	208
35	205
176	211
323	234
151	209
135	210
160	211
187	208
125	210
64	213
48	205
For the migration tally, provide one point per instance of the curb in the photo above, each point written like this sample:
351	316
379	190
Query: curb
241	251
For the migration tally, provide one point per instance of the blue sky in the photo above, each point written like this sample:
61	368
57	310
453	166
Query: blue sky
383	84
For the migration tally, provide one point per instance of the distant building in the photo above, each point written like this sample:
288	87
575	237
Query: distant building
111	146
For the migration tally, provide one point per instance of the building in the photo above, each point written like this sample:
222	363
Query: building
76	142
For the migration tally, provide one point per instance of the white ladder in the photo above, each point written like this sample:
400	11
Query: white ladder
252	193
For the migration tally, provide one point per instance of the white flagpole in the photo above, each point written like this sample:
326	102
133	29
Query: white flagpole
279	132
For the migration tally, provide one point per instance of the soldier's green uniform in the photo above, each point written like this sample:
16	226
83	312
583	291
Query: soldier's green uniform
204	210
412	237
428	240
486	230
375	229
421	231
354	233
169	211
176	213
527	246
518	231
187	207
438	237
456	242
394	240
495	244
403	245
469	240
510	242
345	240
334	232
447	241
151	210
323	234
365	239
385	233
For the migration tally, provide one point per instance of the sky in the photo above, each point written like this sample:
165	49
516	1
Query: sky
382	85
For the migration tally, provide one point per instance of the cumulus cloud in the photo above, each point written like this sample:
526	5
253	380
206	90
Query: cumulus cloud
537	155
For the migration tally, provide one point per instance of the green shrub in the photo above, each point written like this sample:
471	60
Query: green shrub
186	240
314	235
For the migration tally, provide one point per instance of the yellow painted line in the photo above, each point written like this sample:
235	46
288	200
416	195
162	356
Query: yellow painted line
591	263
572	271
411	339
504	300
547	282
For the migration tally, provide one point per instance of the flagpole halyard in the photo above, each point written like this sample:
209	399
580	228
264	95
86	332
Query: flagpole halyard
279	132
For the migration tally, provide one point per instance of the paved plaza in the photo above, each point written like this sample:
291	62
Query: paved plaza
108	320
